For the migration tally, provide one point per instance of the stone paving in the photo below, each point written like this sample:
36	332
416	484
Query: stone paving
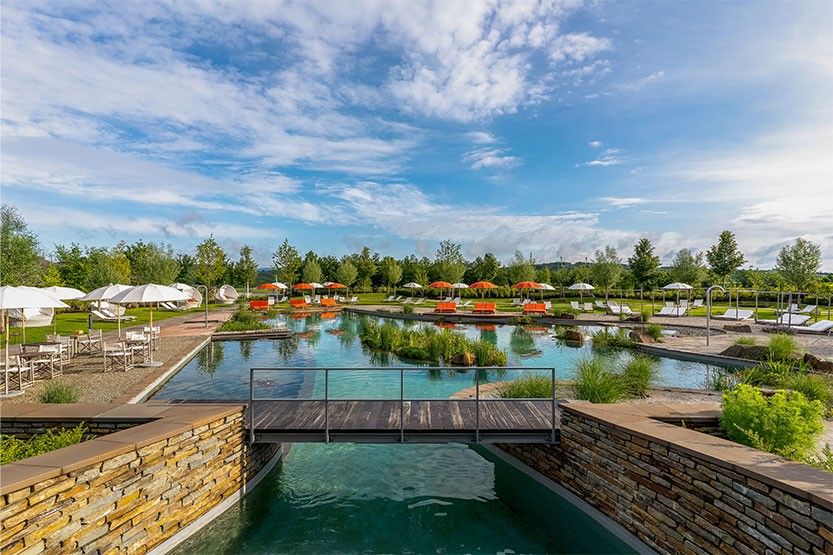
180	336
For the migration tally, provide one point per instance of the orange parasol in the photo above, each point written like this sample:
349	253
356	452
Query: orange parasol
527	285
482	285
267	286
305	286
440	285
335	285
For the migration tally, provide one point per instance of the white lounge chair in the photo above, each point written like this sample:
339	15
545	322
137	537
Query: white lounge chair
820	326
617	309
588	307
809	309
668	311
600	304
574	305
788	319
419	301
517	302
390	299
465	304
698	303
114	315
791	308
98	315
354	300
735	314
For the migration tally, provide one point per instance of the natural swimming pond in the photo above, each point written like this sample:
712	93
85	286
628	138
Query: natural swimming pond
339	498
221	371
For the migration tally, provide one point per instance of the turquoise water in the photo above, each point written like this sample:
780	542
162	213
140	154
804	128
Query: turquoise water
221	371
347	498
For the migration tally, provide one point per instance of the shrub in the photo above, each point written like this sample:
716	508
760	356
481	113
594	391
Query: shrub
812	386
56	392
243	320
596	383
528	387
654	330
408	309
783	347
822	461
646	313
786	423
745	341
638	375
719	379
522	320
413	353
487	354
13	449
769	373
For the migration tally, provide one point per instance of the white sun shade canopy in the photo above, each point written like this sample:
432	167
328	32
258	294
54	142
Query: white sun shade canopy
677	286
104	293
459	285
27	297
150	293
412	285
63	293
581	287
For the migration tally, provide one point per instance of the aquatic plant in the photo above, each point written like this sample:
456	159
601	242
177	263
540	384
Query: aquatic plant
745	341
654	330
783	347
639	373
244	320
612	339
720	379
527	387
596	383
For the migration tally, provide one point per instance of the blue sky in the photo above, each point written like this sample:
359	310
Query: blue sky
554	128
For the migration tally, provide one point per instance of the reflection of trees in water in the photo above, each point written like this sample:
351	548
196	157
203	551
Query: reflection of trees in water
379	358
522	343
285	349
245	349
210	358
489	336
349	328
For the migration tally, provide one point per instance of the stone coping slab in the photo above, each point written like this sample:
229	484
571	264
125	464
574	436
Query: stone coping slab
645	420
154	423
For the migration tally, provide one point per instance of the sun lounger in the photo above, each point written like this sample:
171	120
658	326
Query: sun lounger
809	309
298	303
588	307
671	311
328	302
354	300
617	309
574	305
98	315
447	300
484	308
516	302
791	308
445	308
698	303
114	315
419	301
735	314
820	327
390	299
535	308
788	319
456	300
465	304
600	304
258	305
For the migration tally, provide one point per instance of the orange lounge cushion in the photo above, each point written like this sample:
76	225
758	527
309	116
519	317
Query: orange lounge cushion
538	308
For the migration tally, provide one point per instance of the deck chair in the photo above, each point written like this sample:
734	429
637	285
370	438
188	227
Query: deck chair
667	311
809	309
118	357
98	315
588	307
821	326
600	304
735	314
114	316
698	303
419	301
788	319
17	376
574	305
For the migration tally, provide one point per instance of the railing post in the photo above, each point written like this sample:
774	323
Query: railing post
477	406
326	405
401	405
552	437
251	406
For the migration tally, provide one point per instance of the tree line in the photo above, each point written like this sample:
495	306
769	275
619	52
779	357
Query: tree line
22	262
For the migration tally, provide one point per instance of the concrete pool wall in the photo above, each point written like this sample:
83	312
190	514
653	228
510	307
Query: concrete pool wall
140	489
683	491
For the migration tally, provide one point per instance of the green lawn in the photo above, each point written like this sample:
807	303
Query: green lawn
68	323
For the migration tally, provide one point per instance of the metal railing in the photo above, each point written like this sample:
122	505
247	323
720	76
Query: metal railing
477	400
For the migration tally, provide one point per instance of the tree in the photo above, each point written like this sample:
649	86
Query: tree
390	271
51	276
366	267
151	263
72	265
186	268
415	269
644	264
449	264
329	267
20	255
246	267
543	275
104	267
485	268
346	273
521	268
725	257
287	263
799	263
688	267
606	269
311	269
210	262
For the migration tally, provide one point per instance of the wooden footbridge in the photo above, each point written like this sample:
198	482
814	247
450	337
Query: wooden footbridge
309	413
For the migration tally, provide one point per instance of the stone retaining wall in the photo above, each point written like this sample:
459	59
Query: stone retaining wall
130	490
682	491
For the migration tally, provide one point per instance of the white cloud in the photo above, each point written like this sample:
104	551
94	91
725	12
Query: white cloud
595	144
481	137
623	202
482	158
608	157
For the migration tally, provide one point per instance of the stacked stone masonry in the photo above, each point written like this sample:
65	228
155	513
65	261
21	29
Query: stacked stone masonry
137	495
678	502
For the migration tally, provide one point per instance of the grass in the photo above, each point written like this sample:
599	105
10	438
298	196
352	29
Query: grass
654	330
528	387
638	375
613	339
57	393
13	449
69	323
783	347
720	379
748	341
596	383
